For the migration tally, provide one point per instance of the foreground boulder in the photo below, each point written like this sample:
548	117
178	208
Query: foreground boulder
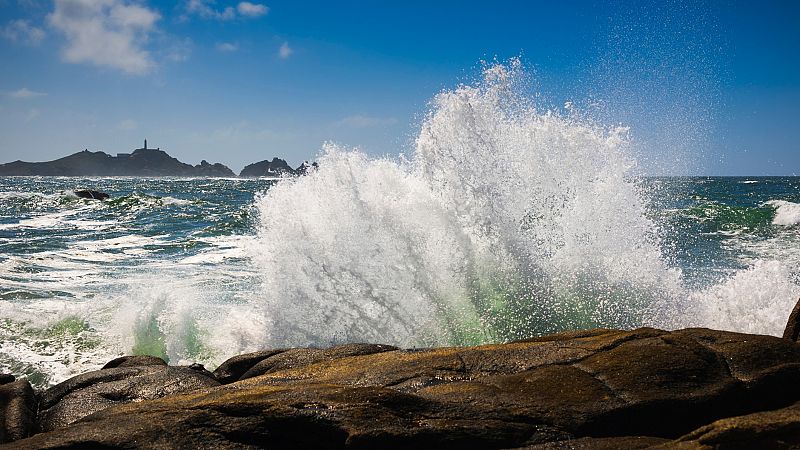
591	389
85	394
792	330
17	411
768	429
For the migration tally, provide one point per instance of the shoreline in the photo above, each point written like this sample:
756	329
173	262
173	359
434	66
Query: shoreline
596	388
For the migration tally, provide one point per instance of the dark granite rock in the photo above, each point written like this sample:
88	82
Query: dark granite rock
135	361
85	394
306	168
233	368
300	357
619	388
778	429
609	443
17	411
6	378
267	168
792	330
90	194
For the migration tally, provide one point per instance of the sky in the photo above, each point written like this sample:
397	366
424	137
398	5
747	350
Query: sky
708	88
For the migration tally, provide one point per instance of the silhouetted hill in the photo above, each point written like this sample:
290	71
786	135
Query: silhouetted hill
142	162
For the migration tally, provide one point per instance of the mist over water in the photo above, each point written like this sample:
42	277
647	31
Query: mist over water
506	221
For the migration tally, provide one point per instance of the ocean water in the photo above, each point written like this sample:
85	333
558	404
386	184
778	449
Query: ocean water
503	222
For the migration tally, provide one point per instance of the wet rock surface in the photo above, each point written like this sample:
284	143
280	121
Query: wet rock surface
85	394
792	330
595	389
17	411
135	361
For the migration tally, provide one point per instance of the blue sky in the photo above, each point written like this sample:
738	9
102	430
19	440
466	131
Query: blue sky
706	87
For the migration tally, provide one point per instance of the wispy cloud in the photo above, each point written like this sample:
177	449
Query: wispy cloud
252	9
127	125
203	8
107	33
25	93
362	121
175	49
207	9
285	51
227	47
23	32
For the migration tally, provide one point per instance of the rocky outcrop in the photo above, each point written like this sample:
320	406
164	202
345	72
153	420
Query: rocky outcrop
90	194
134	361
17	411
85	394
306	168
591	389
275	168
142	162
792	330
768	430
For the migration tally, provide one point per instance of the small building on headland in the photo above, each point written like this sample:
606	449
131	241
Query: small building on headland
145	147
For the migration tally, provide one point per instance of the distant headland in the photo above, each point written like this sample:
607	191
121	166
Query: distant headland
143	162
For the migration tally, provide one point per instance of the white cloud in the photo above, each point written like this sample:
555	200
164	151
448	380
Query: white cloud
107	33
362	121
227	47
285	51
22	31
25	93
127	125
252	9
206	9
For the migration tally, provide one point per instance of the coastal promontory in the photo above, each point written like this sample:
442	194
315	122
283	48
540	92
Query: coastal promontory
143	162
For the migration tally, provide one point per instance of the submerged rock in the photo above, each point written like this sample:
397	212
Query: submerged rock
595	389
90	194
17	411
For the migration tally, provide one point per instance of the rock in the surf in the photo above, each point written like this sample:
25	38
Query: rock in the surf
623	387
792	330
90	194
17	411
85	394
134	361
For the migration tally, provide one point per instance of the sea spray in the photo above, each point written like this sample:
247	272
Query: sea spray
507	222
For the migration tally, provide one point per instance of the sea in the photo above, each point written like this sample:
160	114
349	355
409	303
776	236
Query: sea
502	221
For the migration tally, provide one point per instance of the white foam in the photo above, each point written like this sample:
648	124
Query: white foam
786	213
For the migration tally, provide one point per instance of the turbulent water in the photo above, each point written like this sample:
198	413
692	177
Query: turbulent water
504	222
